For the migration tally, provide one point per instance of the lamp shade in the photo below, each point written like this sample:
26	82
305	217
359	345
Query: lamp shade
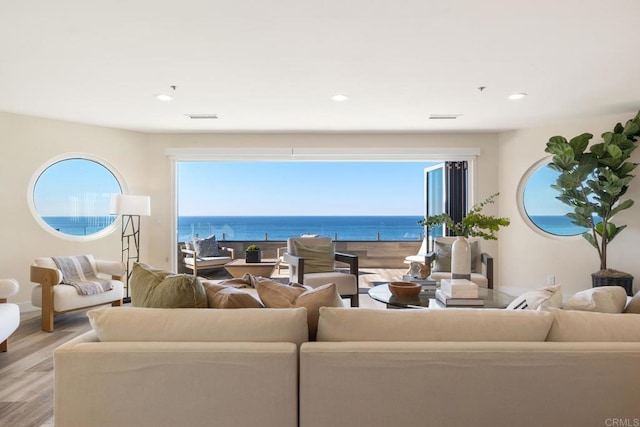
126	204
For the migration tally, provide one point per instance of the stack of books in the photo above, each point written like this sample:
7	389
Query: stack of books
459	293
427	284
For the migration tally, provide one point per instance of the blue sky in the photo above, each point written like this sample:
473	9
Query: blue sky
300	188
271	188
75	187
539	197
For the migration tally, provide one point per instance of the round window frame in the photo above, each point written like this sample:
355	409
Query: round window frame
74	156
522	185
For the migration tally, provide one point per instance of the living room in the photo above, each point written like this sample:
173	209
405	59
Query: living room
571	85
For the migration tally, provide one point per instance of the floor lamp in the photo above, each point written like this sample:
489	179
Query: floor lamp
131	208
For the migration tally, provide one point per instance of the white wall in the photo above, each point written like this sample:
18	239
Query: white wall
29	142
526	257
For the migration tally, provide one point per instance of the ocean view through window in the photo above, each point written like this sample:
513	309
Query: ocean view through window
276	200
542	208
71	197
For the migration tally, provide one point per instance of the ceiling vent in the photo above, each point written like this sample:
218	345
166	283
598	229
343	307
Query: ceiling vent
444	116
202	116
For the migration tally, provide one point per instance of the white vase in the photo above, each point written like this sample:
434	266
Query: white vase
461	259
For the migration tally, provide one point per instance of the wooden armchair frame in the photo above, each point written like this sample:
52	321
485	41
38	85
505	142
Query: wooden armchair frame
48	278
192	253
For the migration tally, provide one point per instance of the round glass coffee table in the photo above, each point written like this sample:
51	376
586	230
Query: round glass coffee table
427	299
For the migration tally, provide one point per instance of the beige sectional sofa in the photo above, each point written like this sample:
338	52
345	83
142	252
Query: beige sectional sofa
256	367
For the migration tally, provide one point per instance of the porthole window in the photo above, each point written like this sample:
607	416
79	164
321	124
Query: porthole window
70	197
538	204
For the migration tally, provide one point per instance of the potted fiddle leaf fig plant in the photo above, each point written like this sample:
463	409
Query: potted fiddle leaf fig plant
253	254
593	181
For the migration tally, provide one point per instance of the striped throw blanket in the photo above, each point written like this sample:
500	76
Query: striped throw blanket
78	272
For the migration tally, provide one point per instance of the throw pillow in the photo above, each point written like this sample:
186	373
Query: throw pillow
277	295
317	259
157	288
605	299
206	247
539	299
442	261
220	296
634	305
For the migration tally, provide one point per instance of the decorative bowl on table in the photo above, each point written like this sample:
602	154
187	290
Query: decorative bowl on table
405	289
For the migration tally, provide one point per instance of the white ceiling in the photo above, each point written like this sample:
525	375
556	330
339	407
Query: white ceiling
273	65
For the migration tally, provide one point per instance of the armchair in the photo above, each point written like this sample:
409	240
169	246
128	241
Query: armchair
312	262
440	260
193	262
54	298
9	313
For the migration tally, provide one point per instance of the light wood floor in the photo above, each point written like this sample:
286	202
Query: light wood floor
26	370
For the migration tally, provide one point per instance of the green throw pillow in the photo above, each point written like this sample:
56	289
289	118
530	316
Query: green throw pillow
156	288
317	259
443	257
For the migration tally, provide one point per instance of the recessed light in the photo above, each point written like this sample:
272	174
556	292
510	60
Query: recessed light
164	96
517	95
339	97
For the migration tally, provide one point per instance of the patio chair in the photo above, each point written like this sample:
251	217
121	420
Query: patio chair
205	257
312	262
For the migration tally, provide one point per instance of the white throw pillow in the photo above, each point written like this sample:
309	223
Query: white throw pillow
604	299
538	299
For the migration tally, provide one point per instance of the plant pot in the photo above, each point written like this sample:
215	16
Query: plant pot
253	256
613	278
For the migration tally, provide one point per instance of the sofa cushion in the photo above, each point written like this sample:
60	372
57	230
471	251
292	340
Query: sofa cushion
543	298
157	288
465	324
220	296
634	305
317	259
193	325
206	247
277	295
605	299
442	262
584	326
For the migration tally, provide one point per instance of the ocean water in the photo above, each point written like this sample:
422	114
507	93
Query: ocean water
558	225
365	228
283	227
79	225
